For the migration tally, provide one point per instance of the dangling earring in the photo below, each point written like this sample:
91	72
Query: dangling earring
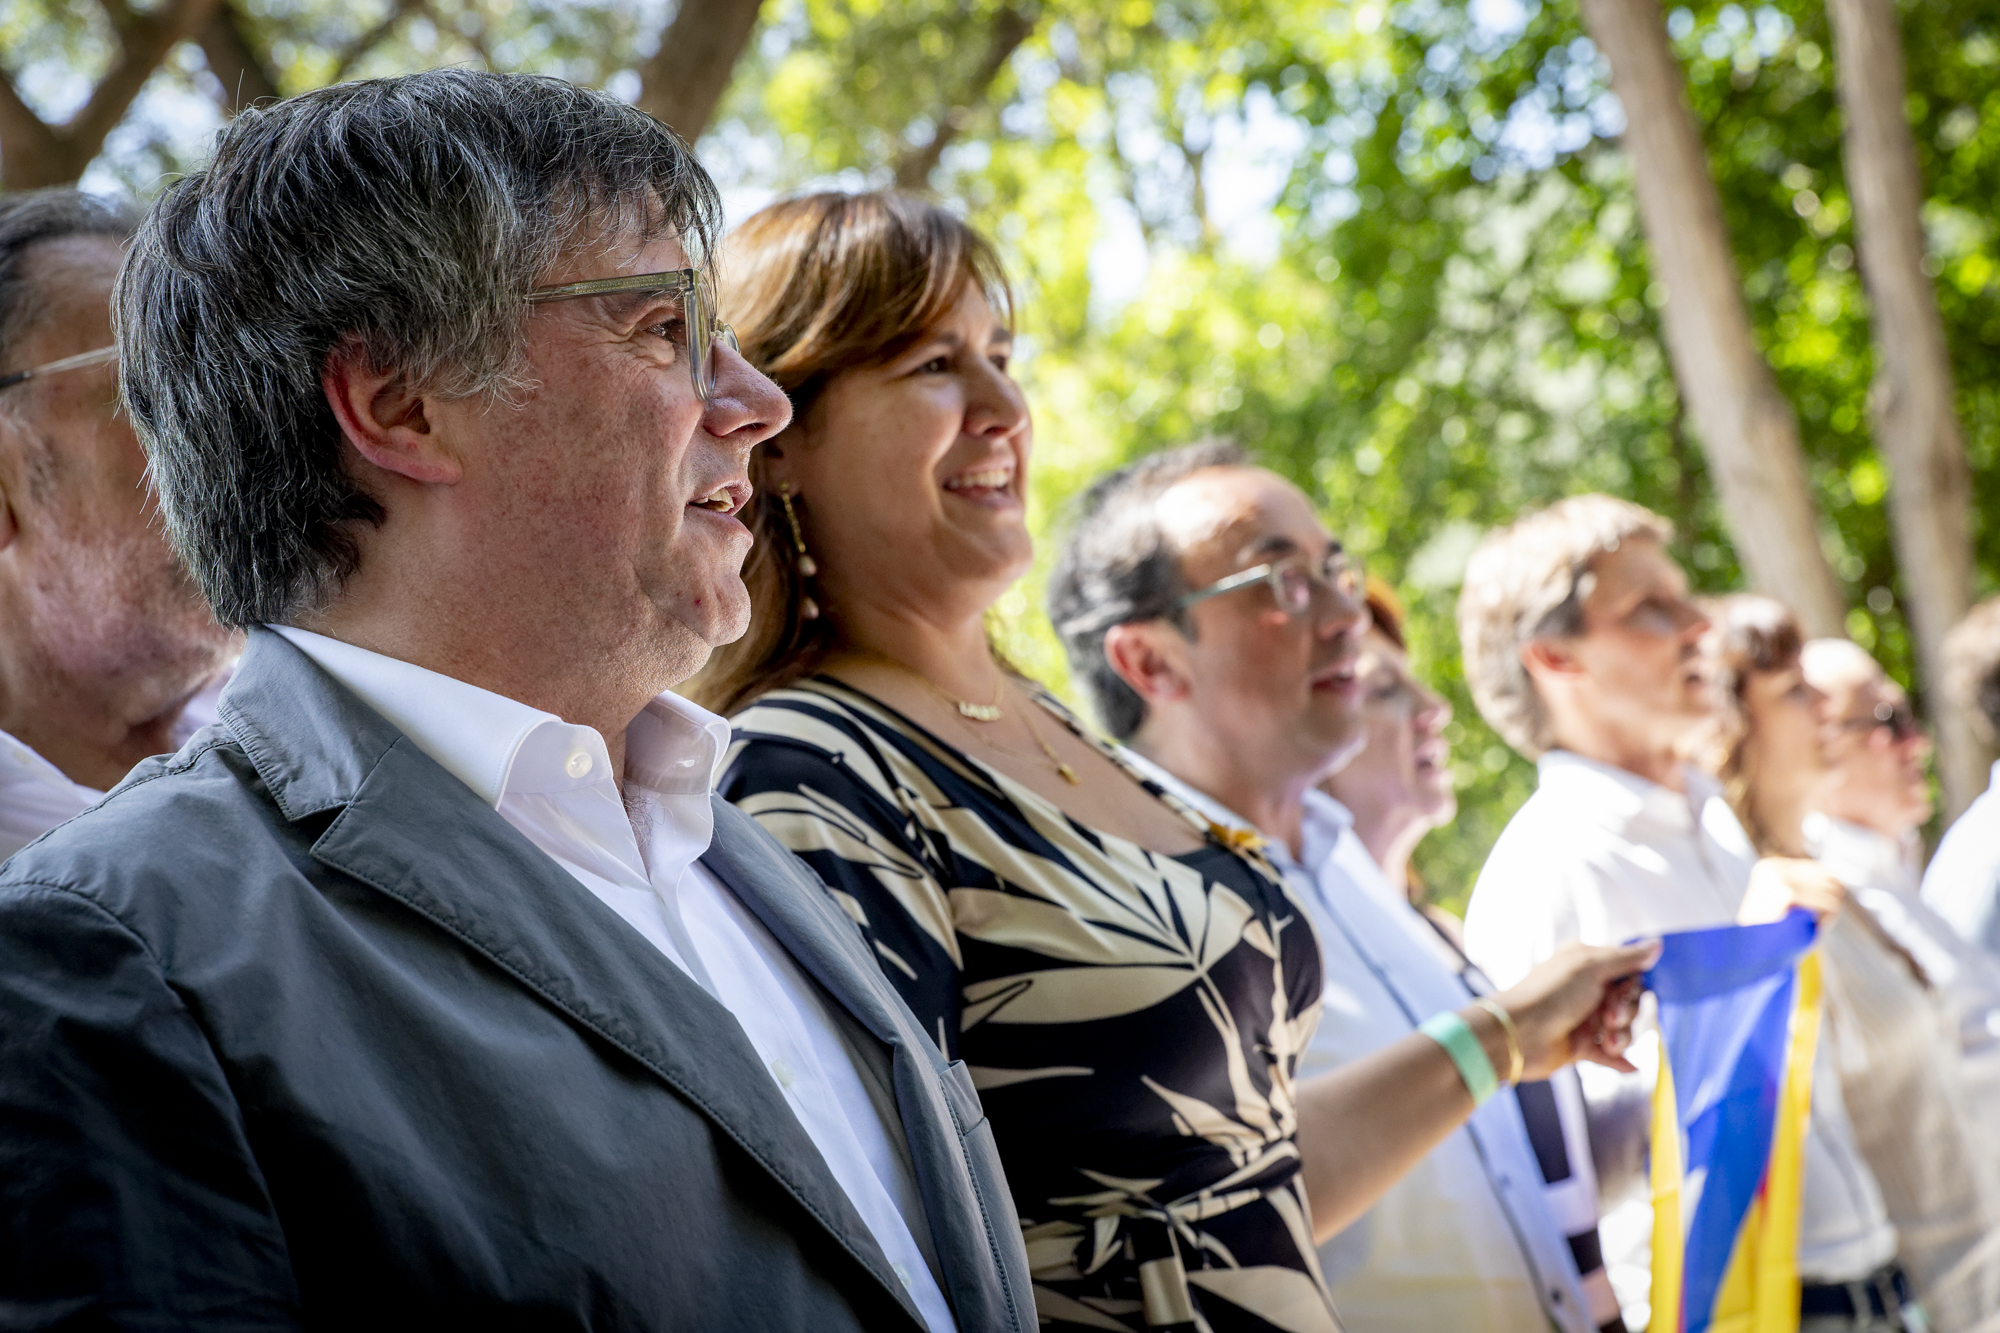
807	566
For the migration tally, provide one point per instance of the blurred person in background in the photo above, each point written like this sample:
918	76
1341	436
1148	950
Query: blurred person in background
1963	879
1582	650
1130	983
108	654
1397	789
1786	750
1866	827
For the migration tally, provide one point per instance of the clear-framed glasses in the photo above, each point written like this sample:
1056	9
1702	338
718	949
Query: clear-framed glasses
697	298
1292	581
1898	717
103	356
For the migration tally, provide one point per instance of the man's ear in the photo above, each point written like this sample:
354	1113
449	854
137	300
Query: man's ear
11	444
1549	657
1141	655
384	419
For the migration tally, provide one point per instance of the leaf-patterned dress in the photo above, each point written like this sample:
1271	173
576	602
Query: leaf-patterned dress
1132	1020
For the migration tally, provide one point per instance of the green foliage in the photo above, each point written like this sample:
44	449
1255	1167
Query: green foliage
1393	251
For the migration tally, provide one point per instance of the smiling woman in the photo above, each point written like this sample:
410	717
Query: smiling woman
1129	985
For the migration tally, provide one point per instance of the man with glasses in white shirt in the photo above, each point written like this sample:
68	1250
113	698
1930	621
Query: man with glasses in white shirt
1580	648
107	652
433	984
1217	627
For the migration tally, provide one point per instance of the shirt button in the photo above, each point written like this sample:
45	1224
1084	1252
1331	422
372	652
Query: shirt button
578	764
903	1274
783	1073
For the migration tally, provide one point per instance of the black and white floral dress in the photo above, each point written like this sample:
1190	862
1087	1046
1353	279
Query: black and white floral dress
1132	1020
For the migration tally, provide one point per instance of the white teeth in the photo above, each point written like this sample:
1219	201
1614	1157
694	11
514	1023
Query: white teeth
991	479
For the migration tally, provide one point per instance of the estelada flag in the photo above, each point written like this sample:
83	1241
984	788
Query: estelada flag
1739	1021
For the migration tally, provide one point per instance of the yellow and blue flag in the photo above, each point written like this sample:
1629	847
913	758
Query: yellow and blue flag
1739	1021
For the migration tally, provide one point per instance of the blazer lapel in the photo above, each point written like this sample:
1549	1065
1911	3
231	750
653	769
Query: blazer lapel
416	833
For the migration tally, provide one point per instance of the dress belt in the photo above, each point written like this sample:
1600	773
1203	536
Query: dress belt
1157	1231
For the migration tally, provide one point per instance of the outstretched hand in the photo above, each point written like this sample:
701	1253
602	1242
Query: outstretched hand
1579	1005
1780	883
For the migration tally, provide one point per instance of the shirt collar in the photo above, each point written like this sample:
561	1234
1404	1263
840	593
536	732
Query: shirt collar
497	746
1617	798
1324	820
1862	856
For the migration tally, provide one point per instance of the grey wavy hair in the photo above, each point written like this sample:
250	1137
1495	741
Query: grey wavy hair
409	216
1117	565
1529	582
1972	668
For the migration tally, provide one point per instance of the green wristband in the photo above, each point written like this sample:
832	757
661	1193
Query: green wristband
1462	1045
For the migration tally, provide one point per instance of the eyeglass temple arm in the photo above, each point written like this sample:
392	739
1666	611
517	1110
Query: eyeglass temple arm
99	357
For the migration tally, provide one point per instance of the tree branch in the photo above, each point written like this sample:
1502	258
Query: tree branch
34	153
143	43
236	63
684	81
1011	27
352	53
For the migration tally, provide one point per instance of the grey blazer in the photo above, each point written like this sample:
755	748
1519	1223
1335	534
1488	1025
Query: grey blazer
296	1031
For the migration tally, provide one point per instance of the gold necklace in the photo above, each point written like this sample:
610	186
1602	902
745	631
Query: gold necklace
1063	770
982	713
967	709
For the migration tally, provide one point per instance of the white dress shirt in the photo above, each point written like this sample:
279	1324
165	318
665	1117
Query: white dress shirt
1910	1012
635	848
1464	1241
35	795
1603	856
1963	881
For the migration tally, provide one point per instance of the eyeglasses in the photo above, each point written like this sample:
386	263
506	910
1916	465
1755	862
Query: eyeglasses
688	285
103	356
1898	717
1292	581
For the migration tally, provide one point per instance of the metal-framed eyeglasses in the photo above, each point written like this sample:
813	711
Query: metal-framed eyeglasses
689	286
103	356
1898	717
1292	580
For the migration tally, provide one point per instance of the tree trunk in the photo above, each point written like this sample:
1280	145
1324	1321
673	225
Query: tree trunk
1912	400
685	80
1748	431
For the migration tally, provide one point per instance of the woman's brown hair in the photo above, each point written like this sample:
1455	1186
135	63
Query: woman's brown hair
815	286
1748	635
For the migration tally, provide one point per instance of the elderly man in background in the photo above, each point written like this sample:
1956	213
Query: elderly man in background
1963	879
1239	707
431	986
1581	648
107	651
1917	1009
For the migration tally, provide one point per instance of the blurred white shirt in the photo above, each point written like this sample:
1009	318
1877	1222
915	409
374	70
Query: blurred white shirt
1963	881
1910	1018
35	795
636	848
1465	1241
1604	856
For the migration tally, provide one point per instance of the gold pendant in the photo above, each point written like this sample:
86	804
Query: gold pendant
978	712
1068	773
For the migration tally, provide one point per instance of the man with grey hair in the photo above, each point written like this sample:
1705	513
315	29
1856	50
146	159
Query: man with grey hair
1963	880
432	985
1580	644
104	641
